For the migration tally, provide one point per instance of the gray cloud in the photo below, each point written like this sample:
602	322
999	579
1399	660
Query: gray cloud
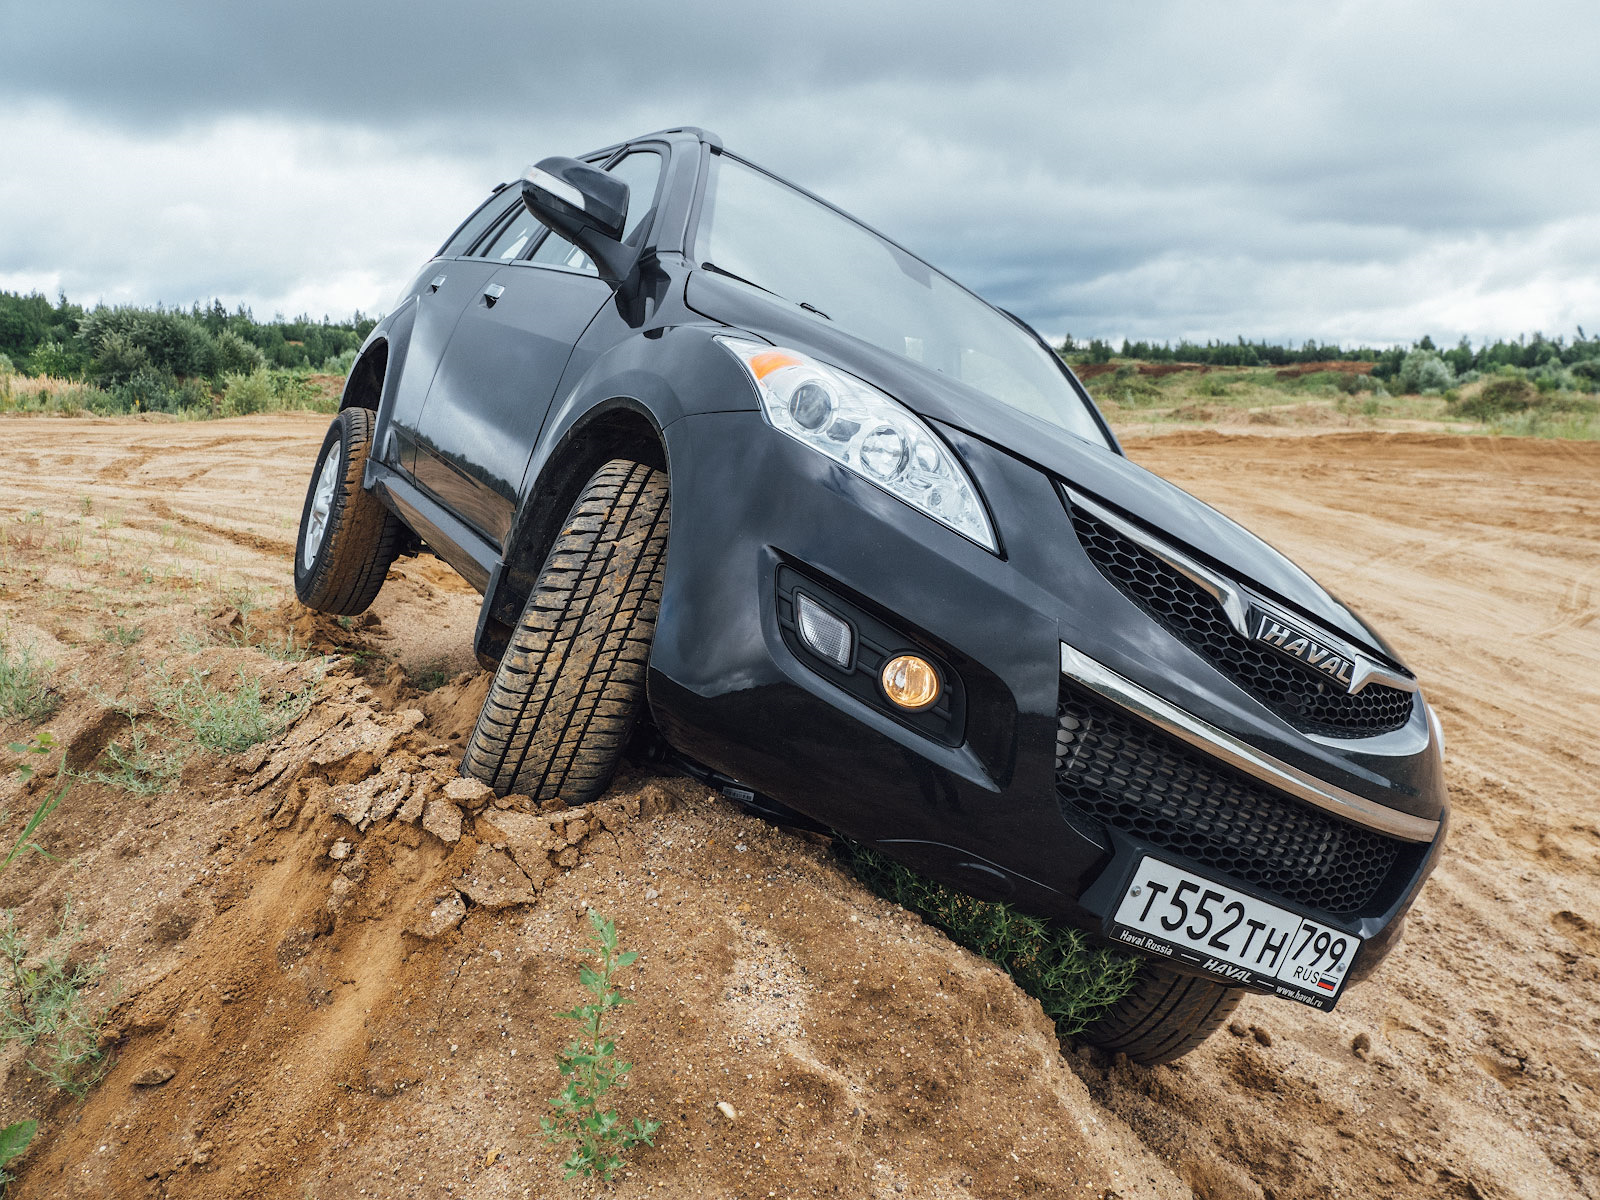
1356	169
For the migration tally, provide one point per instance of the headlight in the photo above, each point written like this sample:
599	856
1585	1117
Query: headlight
863	429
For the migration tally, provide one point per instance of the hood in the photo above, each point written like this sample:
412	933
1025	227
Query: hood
1098	470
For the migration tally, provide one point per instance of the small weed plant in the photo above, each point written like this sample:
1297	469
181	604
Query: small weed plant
45	1008
430	679
230	721
1053	963
580	1119
122	635
25	691
41	997
137	768
42	743
14	1141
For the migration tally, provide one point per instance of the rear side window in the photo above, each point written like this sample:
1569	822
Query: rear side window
472	229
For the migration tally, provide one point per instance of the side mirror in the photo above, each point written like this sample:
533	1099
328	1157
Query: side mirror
586	206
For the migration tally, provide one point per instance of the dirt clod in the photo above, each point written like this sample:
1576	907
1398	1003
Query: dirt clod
437	916
443	820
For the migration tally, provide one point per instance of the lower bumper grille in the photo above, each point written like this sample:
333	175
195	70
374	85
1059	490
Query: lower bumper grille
1115	770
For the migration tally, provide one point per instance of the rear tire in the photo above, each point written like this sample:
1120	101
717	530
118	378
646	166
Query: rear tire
347	537
570	687
1164	1016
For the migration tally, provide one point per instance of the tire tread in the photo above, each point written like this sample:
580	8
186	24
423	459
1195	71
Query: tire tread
363	537
568	691
1164	1016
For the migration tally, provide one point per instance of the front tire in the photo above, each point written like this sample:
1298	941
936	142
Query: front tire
1163	1016
570	686
347	537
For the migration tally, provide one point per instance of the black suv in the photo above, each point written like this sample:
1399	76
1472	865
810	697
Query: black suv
912	590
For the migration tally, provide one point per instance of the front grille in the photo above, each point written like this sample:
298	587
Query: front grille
1117	771
1193	615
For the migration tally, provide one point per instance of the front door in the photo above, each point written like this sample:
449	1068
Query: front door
494	386
498	376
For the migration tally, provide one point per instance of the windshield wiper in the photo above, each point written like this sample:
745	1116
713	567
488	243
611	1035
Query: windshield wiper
716	270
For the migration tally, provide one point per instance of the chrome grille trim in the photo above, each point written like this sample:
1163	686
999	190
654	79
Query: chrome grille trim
1125	694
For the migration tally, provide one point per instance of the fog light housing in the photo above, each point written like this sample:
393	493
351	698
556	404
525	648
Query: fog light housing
910	682
824	634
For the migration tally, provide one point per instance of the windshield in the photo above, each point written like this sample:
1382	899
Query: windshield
763	231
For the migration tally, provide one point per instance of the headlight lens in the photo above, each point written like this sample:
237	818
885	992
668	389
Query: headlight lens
867	431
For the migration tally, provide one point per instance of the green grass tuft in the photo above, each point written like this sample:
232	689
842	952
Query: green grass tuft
230	721
25	691
1074	982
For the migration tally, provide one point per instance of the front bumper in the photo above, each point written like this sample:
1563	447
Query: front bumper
983	814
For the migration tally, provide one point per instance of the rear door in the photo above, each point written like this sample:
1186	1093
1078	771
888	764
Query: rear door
445	286
497	377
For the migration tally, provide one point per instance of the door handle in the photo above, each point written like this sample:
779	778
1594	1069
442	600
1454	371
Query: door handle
492	293
438	282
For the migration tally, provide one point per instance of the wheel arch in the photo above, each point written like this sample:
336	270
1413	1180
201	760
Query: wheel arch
364	386
619	427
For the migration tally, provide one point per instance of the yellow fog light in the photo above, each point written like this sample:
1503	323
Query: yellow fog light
910	682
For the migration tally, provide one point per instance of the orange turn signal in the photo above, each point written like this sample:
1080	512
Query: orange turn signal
910	682
768	361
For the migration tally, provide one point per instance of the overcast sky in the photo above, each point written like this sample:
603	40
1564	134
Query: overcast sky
1363	171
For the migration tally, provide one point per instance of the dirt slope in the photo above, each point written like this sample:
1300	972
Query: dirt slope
341	963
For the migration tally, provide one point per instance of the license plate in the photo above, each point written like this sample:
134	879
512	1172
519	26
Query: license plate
1231	935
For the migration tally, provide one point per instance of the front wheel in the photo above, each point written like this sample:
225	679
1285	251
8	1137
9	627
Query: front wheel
570	686
1163	1016
347	537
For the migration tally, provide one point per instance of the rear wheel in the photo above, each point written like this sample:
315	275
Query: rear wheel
570	686
1164	1015
347	537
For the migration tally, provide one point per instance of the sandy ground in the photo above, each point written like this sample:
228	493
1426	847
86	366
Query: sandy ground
302	1005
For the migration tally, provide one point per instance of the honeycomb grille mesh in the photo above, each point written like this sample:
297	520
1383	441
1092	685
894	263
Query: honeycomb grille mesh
1117	771
1188	611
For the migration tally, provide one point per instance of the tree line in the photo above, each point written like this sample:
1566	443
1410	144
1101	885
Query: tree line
109	346
1525	353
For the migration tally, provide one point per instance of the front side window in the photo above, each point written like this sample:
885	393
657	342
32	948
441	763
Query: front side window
641	171
515	236
760	229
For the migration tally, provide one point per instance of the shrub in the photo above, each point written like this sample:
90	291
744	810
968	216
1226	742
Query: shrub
1553	377
1424	371
246	394
235	356
54	359
149	390
1124	386
118	359
169	341
339	364
1052	963
590	1066
1501	395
